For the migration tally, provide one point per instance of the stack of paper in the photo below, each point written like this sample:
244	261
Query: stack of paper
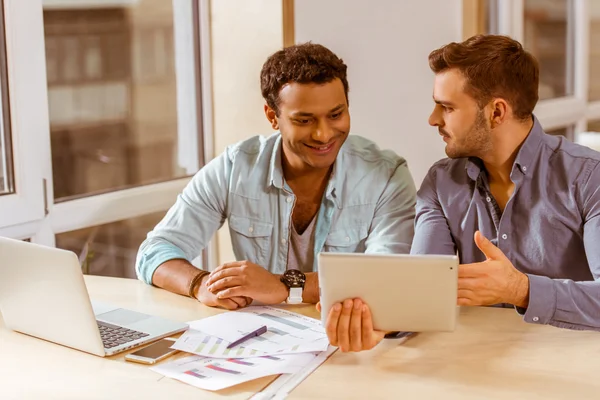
291	342
216	374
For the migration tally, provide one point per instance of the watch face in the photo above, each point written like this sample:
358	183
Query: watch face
294	278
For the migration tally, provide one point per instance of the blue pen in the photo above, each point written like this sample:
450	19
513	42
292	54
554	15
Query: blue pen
250	335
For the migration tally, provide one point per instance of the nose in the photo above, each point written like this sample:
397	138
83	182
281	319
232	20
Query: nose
434	118
323	132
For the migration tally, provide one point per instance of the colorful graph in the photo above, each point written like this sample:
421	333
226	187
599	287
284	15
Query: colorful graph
215	347
240	361
276	332
215	367
204	342
194	373
284	321
272	358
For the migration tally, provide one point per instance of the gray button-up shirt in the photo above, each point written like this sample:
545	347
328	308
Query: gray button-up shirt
550	228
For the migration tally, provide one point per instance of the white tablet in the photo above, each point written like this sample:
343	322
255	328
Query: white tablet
415	293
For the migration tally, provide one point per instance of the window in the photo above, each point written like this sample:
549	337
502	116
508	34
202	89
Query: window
591	138
594	51
110	249
567	131
6	163
22	137
546	34
112	93
117	91
5	166
594	126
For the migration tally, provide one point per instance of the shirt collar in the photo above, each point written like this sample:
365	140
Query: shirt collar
530	149
275	176
525	157
474	167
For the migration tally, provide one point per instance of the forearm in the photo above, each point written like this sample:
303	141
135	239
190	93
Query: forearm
563	303
175	276
311	288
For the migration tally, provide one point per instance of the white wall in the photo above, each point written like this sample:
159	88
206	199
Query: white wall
243	34
385	44
390	93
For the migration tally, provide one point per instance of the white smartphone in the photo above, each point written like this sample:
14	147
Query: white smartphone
154	353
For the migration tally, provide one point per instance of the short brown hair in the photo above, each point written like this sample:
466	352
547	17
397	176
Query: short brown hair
301	63
494	66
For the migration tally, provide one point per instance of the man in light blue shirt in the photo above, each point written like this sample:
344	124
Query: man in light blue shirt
308	188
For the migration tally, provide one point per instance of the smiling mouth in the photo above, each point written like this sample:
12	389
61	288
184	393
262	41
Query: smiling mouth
321	149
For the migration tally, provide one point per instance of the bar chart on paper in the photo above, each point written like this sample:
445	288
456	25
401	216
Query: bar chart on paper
195	373
201	344
291	343
215	374
218	367
287	333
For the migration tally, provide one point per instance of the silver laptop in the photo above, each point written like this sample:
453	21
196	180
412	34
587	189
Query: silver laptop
43	294
404	292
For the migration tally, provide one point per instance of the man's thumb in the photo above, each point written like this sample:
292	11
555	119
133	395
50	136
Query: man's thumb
491	252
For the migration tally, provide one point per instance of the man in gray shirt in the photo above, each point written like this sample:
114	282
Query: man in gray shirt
521	208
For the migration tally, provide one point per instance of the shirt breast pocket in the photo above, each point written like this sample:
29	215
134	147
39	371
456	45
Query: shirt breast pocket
347	240
250	239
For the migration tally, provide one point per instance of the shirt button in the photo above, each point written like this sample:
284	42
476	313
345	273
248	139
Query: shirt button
347	238
535	319
251	229
505	236
524	168
289	199
283	241
488	199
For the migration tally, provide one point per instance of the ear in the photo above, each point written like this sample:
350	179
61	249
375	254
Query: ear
271	117
500	109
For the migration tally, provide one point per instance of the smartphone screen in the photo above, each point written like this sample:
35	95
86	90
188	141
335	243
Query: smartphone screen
156	350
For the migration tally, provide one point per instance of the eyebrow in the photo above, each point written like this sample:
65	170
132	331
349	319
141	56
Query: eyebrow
339	107
443	103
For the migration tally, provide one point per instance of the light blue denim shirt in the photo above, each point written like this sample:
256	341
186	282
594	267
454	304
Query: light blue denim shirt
368	206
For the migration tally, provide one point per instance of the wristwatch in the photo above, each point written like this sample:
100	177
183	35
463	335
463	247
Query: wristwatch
294	279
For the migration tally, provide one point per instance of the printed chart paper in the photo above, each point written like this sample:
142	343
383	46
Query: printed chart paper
286	331
216	374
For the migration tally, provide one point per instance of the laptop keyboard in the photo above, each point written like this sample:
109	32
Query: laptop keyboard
113	335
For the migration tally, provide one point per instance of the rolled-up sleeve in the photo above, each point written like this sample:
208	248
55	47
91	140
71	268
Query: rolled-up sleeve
190	223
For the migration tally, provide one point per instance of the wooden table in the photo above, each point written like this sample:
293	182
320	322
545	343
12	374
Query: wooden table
34	369
492	355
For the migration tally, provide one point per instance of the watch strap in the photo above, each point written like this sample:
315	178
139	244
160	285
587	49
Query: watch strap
295	296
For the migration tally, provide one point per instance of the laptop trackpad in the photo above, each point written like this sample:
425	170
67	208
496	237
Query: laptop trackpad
122	317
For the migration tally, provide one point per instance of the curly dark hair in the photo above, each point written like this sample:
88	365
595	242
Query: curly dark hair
301	63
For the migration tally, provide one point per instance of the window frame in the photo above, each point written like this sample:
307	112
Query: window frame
39	216
26	86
